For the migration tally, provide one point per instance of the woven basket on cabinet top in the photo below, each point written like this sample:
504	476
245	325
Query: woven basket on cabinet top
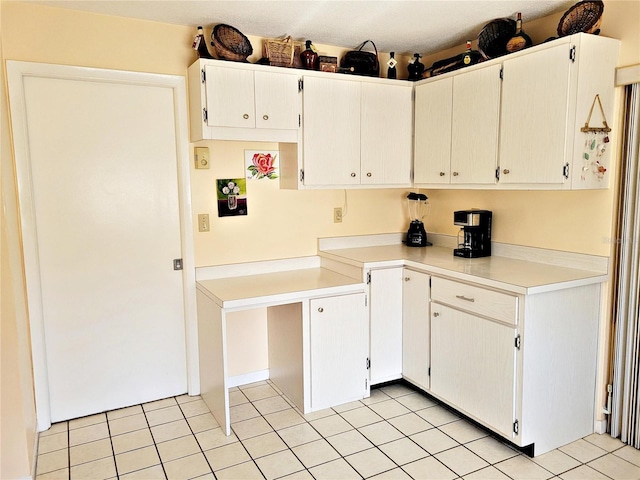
492	40
584	17
230	43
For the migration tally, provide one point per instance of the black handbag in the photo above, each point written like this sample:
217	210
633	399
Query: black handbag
362	63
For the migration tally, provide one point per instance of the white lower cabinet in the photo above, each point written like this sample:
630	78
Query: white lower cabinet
473	362
337	333
385	317
416	332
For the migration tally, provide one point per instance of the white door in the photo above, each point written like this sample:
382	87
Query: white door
415	328
386	325
474	127
277	100
386	136
433	107
103	164
473	366
533	129
338	352
331	131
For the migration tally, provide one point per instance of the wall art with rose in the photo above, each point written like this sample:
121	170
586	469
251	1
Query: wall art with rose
261	164
232	197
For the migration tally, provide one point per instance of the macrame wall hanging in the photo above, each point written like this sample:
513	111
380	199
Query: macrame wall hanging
595	144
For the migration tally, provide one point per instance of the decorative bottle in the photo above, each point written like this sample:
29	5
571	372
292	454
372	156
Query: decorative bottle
471	57
309	57
391	63
520	40
200	45
416	69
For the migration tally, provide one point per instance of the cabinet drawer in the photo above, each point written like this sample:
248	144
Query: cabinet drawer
500	306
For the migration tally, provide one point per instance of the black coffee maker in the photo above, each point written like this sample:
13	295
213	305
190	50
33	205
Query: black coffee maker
474	238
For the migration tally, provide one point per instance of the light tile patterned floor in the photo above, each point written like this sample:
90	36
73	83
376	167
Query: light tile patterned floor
397	433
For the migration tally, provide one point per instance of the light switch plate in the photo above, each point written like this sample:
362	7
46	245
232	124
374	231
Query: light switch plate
203	222
201	155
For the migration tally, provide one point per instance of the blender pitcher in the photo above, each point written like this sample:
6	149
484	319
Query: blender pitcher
417	208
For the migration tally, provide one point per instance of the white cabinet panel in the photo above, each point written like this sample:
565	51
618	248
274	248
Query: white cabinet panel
386	325
277	104
433	110
331	131
535	102
338	350
474	128
230	97
386	134
416	336
473	366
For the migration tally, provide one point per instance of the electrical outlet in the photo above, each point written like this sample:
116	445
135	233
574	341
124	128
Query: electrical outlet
201	155
337	215
203	222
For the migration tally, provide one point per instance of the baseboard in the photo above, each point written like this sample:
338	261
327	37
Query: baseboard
248	378
600	426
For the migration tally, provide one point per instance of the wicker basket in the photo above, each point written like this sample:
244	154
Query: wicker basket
283	52
230	43
493	38
584	17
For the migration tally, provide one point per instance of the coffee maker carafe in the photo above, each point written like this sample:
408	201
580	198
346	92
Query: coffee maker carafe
474	238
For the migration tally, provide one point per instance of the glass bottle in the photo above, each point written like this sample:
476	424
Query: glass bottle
470	57
416	69
309	57
200	45
520	40
391	63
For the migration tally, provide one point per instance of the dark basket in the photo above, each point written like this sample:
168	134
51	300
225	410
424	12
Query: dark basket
230	43
584	17
492	40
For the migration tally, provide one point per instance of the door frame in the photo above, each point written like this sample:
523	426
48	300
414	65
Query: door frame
16	72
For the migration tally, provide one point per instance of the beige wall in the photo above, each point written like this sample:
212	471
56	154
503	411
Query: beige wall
283	223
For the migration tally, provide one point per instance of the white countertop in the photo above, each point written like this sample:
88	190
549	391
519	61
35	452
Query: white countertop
249	291
517	276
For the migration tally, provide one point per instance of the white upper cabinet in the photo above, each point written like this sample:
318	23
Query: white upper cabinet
239	102
386	134
331	133
535	100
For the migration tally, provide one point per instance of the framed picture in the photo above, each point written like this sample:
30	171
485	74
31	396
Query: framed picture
232	197
261	164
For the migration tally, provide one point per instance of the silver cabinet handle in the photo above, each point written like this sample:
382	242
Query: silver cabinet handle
436	314
466	299
321	309
353	174
369	174
265	117
455	174
442	174
406	279
245	116
505	171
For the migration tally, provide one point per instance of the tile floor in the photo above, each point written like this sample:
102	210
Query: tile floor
397	433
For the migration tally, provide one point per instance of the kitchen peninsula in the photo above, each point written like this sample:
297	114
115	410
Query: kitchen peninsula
510	343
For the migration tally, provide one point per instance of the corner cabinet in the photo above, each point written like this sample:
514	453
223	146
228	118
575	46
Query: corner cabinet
535	102
240	102
356	133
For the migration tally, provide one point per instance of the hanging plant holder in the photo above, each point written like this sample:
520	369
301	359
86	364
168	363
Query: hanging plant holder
587	127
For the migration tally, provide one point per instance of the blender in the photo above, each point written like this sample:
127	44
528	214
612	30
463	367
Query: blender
418	208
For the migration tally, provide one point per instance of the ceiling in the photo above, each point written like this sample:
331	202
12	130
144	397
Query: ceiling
403	26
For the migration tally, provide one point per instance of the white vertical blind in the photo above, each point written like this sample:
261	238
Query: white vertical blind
625	417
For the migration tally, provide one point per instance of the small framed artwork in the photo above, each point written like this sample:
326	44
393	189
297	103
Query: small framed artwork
232	197
261	164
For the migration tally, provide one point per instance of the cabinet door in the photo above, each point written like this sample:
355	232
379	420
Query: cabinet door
385	329
386	134
331	131
230	97
338	350
474	127
415	328
277	100
533	131
473	366
433	107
